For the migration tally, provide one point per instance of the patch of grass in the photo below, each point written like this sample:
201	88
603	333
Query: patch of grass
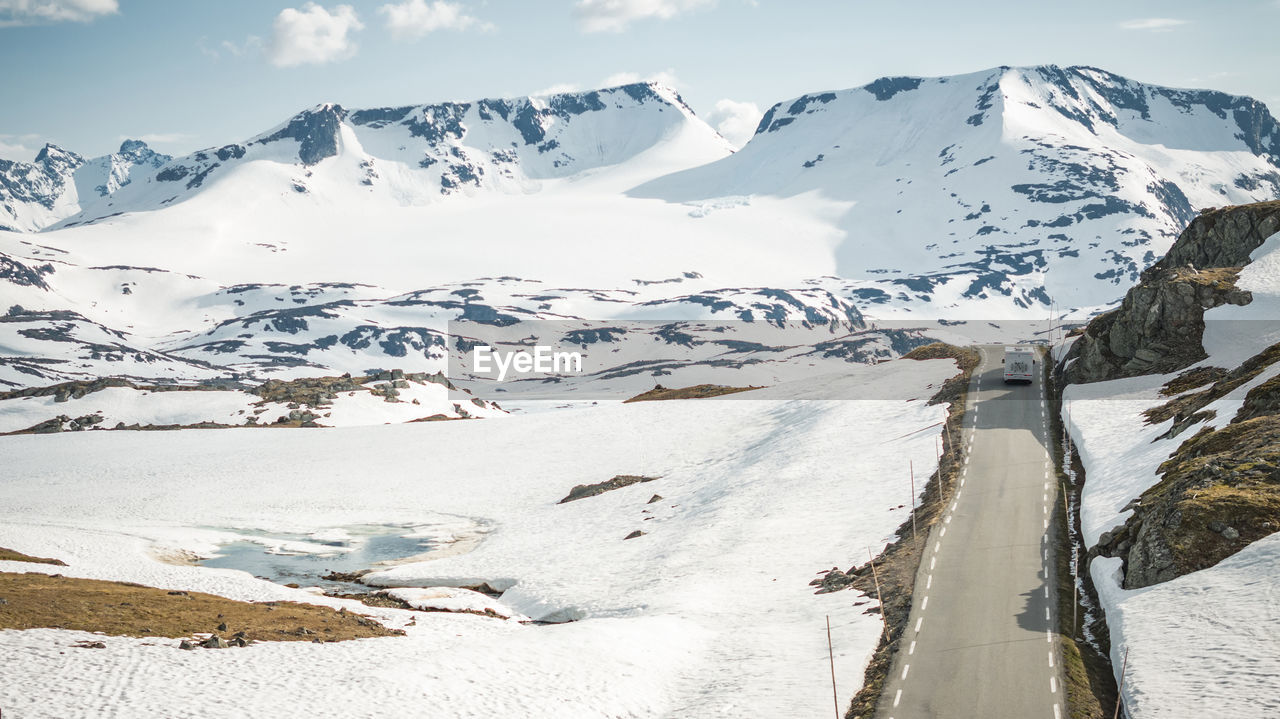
124	609
1186	411
698	391
9	555
1218	278
1191	379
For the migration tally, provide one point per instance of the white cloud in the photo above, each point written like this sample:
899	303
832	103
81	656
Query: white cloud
415	18
615	15
251	44
735	121
1152	24
665	77
557	89
19	148
31	12
313	35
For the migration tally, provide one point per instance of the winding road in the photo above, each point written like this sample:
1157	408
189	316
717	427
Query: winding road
981	639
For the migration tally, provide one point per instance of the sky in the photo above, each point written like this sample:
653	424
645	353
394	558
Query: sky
184	75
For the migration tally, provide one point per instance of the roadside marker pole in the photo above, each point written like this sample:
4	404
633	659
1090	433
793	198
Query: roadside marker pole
835	699
1120	692
879	597
912	468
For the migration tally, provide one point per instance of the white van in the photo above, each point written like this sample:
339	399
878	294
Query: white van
1019	364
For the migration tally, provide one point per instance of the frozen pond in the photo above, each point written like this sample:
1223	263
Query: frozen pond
306	559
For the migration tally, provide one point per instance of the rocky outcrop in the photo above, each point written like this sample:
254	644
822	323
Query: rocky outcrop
1219	491
1159	327
582	491
317	392
1223	237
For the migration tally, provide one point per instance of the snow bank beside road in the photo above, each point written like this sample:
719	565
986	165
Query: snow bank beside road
1204	644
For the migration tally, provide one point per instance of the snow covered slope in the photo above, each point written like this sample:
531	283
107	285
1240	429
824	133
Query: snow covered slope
710	611
1027	184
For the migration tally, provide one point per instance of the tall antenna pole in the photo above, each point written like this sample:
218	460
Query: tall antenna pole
835	699
912	467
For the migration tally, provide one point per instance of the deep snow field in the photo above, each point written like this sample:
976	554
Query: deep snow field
708	614
1204	644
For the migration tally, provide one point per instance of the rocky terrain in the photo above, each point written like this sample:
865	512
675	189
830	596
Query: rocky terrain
1219	491
116	403
1159	326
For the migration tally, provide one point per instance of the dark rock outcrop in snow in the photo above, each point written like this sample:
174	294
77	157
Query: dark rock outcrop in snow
1159	326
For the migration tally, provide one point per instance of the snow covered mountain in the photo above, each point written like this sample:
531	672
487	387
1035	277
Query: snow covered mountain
34	195
1029	184
346	240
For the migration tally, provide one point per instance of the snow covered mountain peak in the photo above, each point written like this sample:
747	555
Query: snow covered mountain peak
56	159
1017	185
414	154
58	183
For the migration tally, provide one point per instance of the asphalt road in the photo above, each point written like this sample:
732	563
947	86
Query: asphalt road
981	641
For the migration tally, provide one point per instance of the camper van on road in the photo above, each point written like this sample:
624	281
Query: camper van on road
1019	364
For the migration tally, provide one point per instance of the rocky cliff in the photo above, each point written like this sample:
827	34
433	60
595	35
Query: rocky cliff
1220	489
1159	326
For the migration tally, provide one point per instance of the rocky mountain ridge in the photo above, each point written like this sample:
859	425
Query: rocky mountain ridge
1159	326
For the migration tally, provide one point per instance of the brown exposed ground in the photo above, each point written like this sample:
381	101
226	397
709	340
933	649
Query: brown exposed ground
33	601
8	555
698	391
